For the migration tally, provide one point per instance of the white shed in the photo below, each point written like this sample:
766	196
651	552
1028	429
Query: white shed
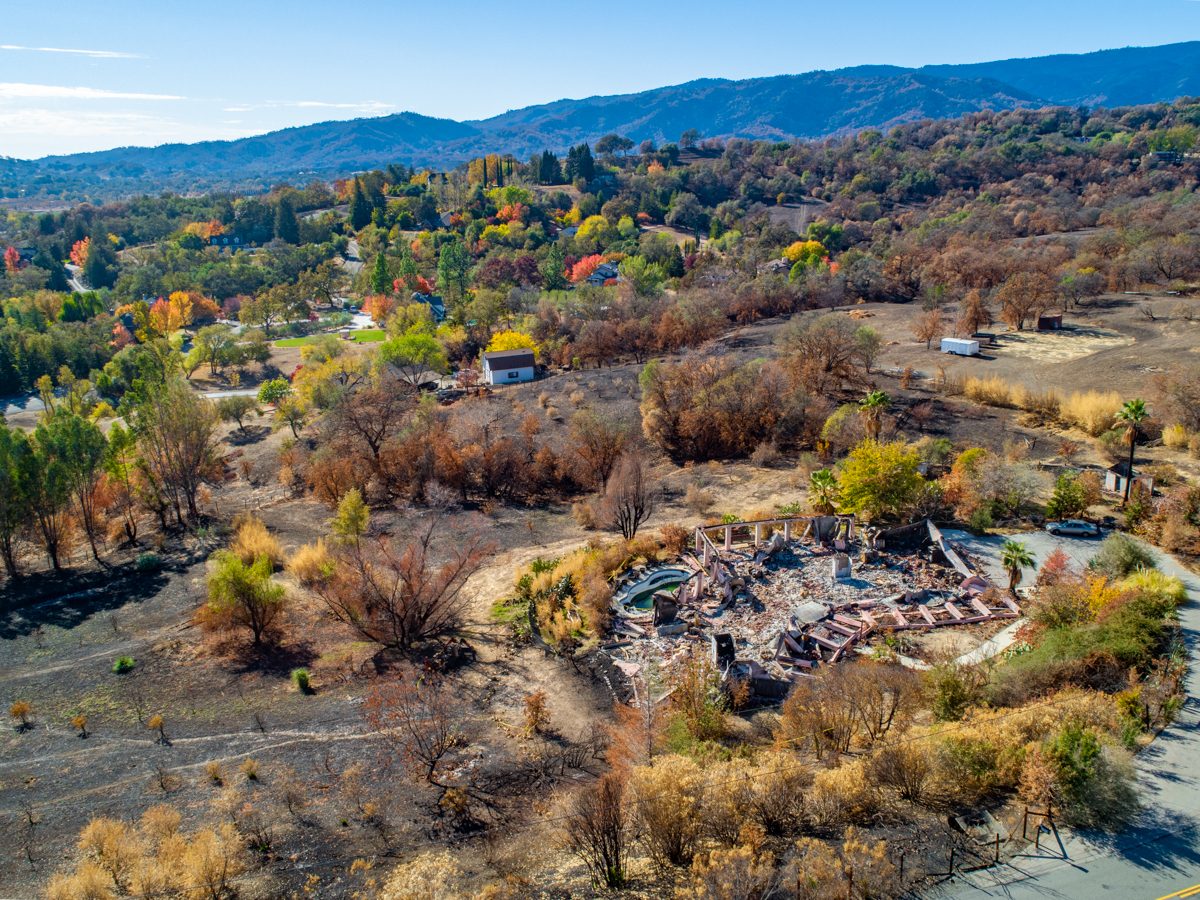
960	346
508	366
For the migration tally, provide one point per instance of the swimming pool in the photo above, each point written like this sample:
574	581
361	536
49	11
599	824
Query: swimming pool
639	594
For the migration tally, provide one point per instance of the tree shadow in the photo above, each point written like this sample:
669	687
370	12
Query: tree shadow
68	598
252	434
269	657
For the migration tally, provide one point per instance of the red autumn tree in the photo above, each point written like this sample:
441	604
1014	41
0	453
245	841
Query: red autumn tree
12	259
586	267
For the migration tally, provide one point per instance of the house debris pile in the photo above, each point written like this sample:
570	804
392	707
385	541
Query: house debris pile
776	599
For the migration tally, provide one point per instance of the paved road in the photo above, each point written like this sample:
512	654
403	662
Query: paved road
10	406
1159	856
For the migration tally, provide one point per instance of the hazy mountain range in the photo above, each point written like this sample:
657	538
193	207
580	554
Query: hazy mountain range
811	105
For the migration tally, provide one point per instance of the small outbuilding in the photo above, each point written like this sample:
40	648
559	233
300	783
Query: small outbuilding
1116	477
960	346
1050	323
508	366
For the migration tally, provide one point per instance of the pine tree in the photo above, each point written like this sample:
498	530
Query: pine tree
554	270
381	278
674	265
287	228
360	209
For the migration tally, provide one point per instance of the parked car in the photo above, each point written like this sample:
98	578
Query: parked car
1074	527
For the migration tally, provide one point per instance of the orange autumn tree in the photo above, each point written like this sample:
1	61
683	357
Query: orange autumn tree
79	252
586	267
380	306
167	316
12	259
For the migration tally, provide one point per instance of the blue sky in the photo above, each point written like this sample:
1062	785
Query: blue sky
80	76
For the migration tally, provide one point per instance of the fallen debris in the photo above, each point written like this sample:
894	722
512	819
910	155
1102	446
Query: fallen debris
777	599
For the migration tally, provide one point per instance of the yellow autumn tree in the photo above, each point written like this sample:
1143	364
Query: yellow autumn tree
807	251
512	340
182	309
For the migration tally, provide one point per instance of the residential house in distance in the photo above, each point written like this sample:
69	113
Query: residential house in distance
603	272
508	366
436	306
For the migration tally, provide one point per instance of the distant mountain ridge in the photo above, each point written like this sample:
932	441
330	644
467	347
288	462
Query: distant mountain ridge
812	105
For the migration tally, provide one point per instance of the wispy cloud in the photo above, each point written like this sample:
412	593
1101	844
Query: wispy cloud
12	91
30	133
365	106
99	54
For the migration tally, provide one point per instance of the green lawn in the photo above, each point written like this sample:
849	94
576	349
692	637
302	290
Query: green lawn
366	336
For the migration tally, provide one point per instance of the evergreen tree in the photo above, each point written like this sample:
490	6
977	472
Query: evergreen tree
381	278
674	264
58	275
100	269
454	268
360	209
580	163
287	228
554	270
408	273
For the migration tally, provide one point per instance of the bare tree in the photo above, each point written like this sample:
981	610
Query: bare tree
822	354
373	414
176	431
629	500
404	590
599	442
928	326
597	829
1023	296
423	717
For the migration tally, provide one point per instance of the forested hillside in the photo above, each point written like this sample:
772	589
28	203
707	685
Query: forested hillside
785	107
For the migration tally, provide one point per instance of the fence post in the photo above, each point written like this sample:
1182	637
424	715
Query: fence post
902	867
997	858
1024	822
951	872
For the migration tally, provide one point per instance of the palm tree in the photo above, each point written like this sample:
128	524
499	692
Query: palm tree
1132	413
1014	557
823	490
871	407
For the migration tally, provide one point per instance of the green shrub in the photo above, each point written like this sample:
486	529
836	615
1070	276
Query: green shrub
1156	584
123	665
147	562
1069	498
981	519
1095	780
300	679
1121	555
952	690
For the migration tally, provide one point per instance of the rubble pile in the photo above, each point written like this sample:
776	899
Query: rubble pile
776	611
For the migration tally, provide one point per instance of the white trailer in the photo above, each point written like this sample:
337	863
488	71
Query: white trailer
960	346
